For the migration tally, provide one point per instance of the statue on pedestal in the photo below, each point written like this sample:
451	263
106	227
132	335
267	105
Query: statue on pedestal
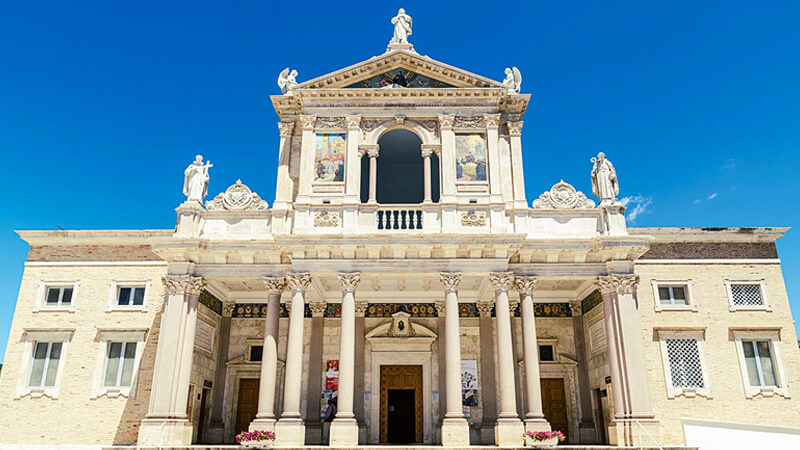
604	180
287	80
513	79
195	180
402	27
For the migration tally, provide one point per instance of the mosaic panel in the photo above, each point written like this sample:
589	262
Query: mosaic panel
333	310
213	303
402	77
254	310
591	300
330	150
387	309
545	310
468	310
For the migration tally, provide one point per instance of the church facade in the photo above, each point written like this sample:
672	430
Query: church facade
399	289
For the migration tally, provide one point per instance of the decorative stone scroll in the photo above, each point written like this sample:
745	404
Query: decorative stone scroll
473	219
468	122
326	219
563	196
331	122
238	197
619	283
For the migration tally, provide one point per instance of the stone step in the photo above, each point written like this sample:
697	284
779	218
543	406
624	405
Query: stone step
414	447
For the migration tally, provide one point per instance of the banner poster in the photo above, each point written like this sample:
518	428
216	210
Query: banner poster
469	382
332	374
323	402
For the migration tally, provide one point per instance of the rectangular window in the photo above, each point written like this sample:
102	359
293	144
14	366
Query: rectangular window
546	353
759	363
44	369
746	295
130	296
58	296
119	364
256	353
685	367
672	295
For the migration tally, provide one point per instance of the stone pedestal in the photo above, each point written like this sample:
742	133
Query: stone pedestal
158	432
290	433
455	432
344	433
628	432
509	433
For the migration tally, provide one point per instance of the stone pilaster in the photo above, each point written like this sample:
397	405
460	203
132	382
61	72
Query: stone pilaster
488	384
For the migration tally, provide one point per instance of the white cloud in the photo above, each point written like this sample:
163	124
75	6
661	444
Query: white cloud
697	200
712	196
636	205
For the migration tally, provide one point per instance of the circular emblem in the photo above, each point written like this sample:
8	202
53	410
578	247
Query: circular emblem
563	195
237	196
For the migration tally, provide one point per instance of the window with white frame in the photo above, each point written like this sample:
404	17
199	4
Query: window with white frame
56	295
128	295
760	362
685	370
747	294
673	295
119	355
43	360
44	366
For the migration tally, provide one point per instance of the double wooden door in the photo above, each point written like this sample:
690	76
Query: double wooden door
401	404
554	404
248	403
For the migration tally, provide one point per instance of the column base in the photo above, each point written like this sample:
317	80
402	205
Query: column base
165	432
509	433
290	433
262	424
455	432
344	433
536	425
634	432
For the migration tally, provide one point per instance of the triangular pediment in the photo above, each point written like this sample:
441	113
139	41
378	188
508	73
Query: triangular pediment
418	71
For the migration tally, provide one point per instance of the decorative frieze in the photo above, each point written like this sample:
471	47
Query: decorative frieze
211	302
562	196
450	281
387	309
323	219
238	197
619	283
468	122
331	122
590	301
473	219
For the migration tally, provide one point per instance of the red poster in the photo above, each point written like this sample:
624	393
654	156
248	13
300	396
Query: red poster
332	374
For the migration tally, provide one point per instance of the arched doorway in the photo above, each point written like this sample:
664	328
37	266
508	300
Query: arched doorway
400	170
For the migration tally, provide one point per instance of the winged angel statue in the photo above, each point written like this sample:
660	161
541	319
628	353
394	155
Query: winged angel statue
287	80
513	79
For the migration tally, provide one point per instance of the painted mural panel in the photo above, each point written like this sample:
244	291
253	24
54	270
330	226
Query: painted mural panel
470	157
330	153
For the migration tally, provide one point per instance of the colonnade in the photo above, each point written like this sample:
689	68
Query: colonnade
372	151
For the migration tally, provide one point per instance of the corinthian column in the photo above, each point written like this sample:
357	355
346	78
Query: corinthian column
534	418
166	421
626	358
290	429
265	419
455	430
508	429
344	429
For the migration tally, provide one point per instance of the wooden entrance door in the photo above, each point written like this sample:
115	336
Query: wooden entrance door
554	404
401	404
247	405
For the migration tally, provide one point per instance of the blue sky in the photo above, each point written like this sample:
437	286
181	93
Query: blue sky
103	104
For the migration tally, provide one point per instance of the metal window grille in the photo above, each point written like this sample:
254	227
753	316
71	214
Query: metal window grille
684	363
746	294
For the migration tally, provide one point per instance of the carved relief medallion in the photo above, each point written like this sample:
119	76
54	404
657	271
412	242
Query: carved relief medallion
473	219
238	197
562	196
324	219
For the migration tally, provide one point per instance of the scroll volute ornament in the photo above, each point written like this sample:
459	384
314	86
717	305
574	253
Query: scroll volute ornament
619	283
298	281
275	285
501	280
349	281
450	281
526	285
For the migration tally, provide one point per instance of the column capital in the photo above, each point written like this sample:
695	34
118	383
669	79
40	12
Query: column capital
485	308
427	152
353	121
227	309
446	120
514	128
513	303
492	120
317	308
308	121
298	281
439	305
618	283
361	308
275	285
501	280
450	280
526	285
349	281
576	307
183	284
285	129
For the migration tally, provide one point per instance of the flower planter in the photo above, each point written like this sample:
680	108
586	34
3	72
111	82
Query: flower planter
543	439
256	444
547	443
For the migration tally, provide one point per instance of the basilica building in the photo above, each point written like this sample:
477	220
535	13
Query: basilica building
399	289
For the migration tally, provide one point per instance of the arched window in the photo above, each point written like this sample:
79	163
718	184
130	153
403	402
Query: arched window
400	170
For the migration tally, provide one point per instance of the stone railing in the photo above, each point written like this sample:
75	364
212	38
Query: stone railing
398	218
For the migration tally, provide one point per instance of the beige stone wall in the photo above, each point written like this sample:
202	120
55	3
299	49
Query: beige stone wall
728	402
204	367
82	420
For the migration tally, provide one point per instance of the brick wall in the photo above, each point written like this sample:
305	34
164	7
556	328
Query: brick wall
711	250
92	253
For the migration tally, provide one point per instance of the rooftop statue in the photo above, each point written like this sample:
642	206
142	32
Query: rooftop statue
195	180
604	180
402	27
287	80
513	79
